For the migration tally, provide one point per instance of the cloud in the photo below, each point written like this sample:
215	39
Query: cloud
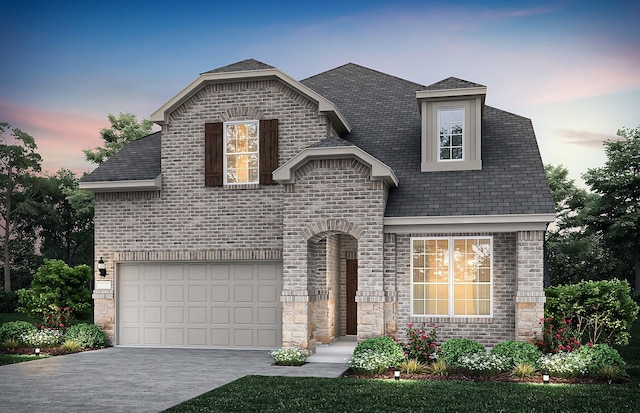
60	136
585	138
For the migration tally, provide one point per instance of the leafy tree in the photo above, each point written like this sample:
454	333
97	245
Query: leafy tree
56	285
67	220
124	129
616	214
19	164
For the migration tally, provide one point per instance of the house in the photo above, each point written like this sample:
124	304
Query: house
275	212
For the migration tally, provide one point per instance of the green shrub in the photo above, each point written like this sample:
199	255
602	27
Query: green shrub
56	285
8	301
604	310
439	368
290	356
10	344
86	335
452	350
370	362
601	355
516	352
46	337
385	346
14	330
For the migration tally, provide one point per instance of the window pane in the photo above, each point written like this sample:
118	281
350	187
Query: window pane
445	141
442	291
418	291
456	153
456	140
418	307
442	307
241	150
418	275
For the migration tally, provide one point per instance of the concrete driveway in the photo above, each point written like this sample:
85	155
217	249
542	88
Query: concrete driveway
121	379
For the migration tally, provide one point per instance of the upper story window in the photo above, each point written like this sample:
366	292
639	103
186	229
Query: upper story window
451	134
241	152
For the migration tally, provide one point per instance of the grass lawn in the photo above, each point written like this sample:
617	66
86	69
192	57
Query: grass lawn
293	394
18	358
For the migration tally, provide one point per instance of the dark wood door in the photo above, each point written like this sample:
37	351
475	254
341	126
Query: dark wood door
352	306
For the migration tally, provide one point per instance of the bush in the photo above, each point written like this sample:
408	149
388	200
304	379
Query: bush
517	352
421	345
483	363
8	301
14	330
453	350
370	362
56	285
571	364
439	368
290	356
602	310
601	355
384	346
47	337
70	345
86	335
558	335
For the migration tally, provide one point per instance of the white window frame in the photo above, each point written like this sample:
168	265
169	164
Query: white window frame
451	284
224	152
464	132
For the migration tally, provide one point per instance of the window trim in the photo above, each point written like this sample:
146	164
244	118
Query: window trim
450	305
224	152
465	140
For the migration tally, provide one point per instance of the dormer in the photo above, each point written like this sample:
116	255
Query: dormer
451	112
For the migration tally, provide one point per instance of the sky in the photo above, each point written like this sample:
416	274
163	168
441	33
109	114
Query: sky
573	66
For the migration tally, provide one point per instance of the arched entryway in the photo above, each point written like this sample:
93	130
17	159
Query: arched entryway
332	261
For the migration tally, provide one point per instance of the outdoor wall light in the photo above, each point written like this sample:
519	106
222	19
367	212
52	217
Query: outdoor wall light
545	378
37	351
102	268
396	374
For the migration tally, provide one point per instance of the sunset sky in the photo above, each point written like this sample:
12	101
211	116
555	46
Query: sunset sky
573	67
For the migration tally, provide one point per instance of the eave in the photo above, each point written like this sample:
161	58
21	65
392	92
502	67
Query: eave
468	223
124	186
285	174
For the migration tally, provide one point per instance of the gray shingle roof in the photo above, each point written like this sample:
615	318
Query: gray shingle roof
453	83
385	120
244	65
331	142
138	160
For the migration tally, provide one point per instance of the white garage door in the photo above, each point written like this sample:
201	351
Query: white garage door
230	305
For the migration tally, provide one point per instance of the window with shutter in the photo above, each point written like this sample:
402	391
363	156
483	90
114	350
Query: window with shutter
241	152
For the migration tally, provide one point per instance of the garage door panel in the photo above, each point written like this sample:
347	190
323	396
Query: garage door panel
199	305
175	293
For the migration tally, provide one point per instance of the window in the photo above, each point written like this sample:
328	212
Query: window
450	134
241	152
452	276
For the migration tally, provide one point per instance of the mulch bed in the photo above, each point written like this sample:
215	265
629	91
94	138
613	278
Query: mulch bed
49	351
458	375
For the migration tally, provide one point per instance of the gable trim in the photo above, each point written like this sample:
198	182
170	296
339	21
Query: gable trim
124	186
468	223
285	174
161	116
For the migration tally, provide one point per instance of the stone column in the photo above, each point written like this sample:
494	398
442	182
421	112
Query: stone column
530	296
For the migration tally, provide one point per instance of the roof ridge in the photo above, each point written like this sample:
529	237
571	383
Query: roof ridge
419	85
240	66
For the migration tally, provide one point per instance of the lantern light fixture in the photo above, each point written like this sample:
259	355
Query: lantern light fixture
545	378
396	374
102	268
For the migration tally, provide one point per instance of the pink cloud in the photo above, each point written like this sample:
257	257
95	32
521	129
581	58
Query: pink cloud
585	138
60	136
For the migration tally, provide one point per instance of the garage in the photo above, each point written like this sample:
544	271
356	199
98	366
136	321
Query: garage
209	305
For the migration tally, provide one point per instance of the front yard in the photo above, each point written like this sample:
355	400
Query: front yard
290	394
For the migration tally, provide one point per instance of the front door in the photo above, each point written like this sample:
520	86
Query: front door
352	306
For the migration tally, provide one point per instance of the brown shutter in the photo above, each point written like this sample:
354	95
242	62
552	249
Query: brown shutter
268	150
213	154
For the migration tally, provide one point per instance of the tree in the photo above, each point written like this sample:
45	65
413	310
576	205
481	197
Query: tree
67	220
124	129
616	214
19	164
